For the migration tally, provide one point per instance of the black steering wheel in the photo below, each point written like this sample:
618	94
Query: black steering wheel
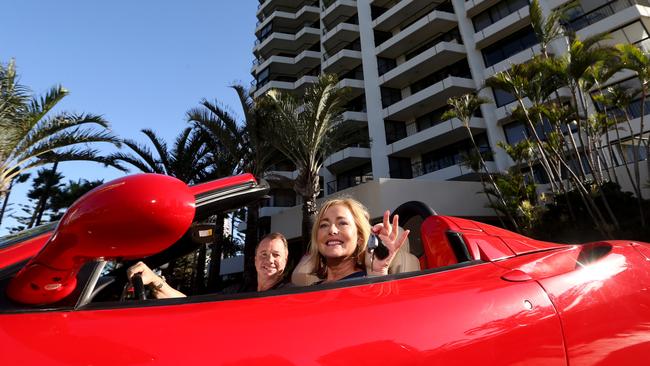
138	286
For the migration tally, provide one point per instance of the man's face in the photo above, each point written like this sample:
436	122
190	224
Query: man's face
270	258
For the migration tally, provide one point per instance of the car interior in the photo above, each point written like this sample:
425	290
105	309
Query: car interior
432	247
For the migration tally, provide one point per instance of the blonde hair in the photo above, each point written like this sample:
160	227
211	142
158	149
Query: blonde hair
362	223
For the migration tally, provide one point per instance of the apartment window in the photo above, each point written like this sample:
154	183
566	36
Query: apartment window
264	33
515	132
502	97
633	33
395	131
262	78
633	109
518	131
384	65
350	178
450	36
435	117
376	11
446	6
381	37
357	104
590	12
454	154
284	197
509	46
424	12
356	73
354	45
430	119
459	69
400	167
497	12
626	148
390	96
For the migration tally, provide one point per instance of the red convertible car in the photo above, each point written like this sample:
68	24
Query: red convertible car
483	295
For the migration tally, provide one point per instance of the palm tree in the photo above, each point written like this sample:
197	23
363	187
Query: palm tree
306	131
546	29
524	80
635	59
30	137
186	160
463	108
5	202
240	146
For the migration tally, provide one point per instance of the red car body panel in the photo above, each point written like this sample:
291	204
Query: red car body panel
221	183
485	296
22	251
456	317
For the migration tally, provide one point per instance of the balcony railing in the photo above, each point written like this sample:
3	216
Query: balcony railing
601	12
347	182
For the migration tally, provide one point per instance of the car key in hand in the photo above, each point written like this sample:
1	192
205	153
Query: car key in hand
376	248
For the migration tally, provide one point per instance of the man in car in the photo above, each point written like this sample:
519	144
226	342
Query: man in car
271	256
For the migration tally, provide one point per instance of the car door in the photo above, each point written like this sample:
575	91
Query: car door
457	315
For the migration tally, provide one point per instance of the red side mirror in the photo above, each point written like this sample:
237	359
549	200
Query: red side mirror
129	218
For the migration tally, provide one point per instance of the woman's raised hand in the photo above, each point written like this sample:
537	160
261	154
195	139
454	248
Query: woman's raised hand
392	239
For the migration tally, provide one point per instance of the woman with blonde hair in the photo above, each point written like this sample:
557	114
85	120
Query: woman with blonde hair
339	237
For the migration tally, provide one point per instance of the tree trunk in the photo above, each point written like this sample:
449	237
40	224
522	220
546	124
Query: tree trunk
5	202
252	218
42	201
214	272
308	217
198	282
494	184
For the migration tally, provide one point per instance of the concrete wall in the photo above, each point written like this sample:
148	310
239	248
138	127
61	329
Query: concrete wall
447	198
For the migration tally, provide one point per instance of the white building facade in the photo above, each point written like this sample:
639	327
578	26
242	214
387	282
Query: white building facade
402	60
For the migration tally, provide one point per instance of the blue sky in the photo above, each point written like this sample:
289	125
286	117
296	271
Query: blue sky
140	64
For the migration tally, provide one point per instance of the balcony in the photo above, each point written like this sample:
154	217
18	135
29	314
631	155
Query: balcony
518	58
298	86
396	15
270	211
269	6
417	33
285	42
349	182
342	61
473	7
380	3
504	113
437	57
454	172
355	87
359	119
348	158
618	13
430	98
343	33
503	28
337	11
283	19
306	60
441	134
